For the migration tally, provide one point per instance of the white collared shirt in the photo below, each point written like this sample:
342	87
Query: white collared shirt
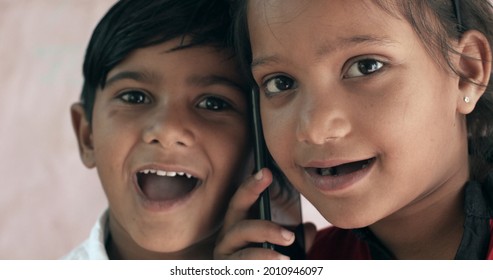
93	248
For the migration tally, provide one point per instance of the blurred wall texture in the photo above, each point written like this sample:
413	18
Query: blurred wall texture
49	200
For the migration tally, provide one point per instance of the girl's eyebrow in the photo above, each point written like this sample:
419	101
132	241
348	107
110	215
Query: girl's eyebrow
344	43
332	46
263	60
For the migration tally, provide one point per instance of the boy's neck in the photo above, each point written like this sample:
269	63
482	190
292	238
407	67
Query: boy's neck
123	247
430	229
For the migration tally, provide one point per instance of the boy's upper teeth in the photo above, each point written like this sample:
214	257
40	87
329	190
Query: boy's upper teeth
166	173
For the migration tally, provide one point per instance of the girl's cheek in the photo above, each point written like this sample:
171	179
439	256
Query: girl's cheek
277	138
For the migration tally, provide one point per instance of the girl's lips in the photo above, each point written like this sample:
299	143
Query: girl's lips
334	178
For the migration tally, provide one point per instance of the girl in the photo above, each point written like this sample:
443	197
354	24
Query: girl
380	113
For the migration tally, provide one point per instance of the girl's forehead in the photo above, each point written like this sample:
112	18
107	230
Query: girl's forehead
308	31
281	18
334	12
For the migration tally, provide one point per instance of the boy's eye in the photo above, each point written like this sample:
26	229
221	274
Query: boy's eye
278	84
214	104
363	67
135	97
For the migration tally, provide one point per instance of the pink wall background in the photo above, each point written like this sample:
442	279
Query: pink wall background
49	200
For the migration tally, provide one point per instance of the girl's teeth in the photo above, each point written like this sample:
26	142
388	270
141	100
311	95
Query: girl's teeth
346	168
161	173
328	172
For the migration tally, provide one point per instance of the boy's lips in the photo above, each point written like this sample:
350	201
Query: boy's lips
334	177
160	186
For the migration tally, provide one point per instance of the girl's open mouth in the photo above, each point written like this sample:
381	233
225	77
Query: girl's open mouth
161	186
346	168
339	177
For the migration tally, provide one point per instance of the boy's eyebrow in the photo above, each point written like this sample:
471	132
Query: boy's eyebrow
194	80
338	44
212	79
132	75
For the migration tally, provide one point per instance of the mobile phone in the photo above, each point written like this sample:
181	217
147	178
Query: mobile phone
280	204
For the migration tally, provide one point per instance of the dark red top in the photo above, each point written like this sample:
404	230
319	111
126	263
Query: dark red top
360	244
338	244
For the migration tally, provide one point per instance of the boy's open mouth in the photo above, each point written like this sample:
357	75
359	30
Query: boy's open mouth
158	185
346	168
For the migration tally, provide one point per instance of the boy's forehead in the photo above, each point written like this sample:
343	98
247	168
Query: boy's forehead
180	42
198	65
177	44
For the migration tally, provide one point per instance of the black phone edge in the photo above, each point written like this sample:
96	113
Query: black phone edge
297	249
259	155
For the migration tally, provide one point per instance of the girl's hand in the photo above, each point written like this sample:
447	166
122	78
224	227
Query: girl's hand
238	232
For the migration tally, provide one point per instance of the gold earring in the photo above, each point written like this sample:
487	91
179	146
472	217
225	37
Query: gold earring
467	99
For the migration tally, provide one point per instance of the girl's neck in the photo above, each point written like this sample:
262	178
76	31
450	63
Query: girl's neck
123	247
430	228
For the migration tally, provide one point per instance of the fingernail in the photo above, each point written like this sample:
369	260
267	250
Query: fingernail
259	175
284	258
287	235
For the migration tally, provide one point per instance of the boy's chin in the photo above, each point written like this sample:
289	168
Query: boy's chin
179	243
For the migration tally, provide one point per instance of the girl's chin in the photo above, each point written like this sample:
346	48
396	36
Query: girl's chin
345	221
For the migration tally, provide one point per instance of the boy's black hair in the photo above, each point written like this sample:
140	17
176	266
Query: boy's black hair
134	24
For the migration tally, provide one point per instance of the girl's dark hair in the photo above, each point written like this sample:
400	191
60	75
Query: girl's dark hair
134	24
436	24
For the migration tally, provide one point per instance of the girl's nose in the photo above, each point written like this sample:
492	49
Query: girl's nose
170	127
322	120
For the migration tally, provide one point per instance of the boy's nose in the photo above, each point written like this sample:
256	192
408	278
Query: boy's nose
322	120
169	127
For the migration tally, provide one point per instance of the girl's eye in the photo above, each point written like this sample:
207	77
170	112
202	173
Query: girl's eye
214	104
135	97
278	84
363	67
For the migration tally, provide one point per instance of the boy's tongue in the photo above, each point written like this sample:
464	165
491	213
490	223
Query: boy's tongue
160	188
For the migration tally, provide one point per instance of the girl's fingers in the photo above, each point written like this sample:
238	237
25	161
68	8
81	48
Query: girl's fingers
245	197
257	254
251	231
238	233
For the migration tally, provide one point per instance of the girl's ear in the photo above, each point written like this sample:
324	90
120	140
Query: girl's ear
474	64
83	134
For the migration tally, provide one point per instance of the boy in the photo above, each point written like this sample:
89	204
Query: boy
163	118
